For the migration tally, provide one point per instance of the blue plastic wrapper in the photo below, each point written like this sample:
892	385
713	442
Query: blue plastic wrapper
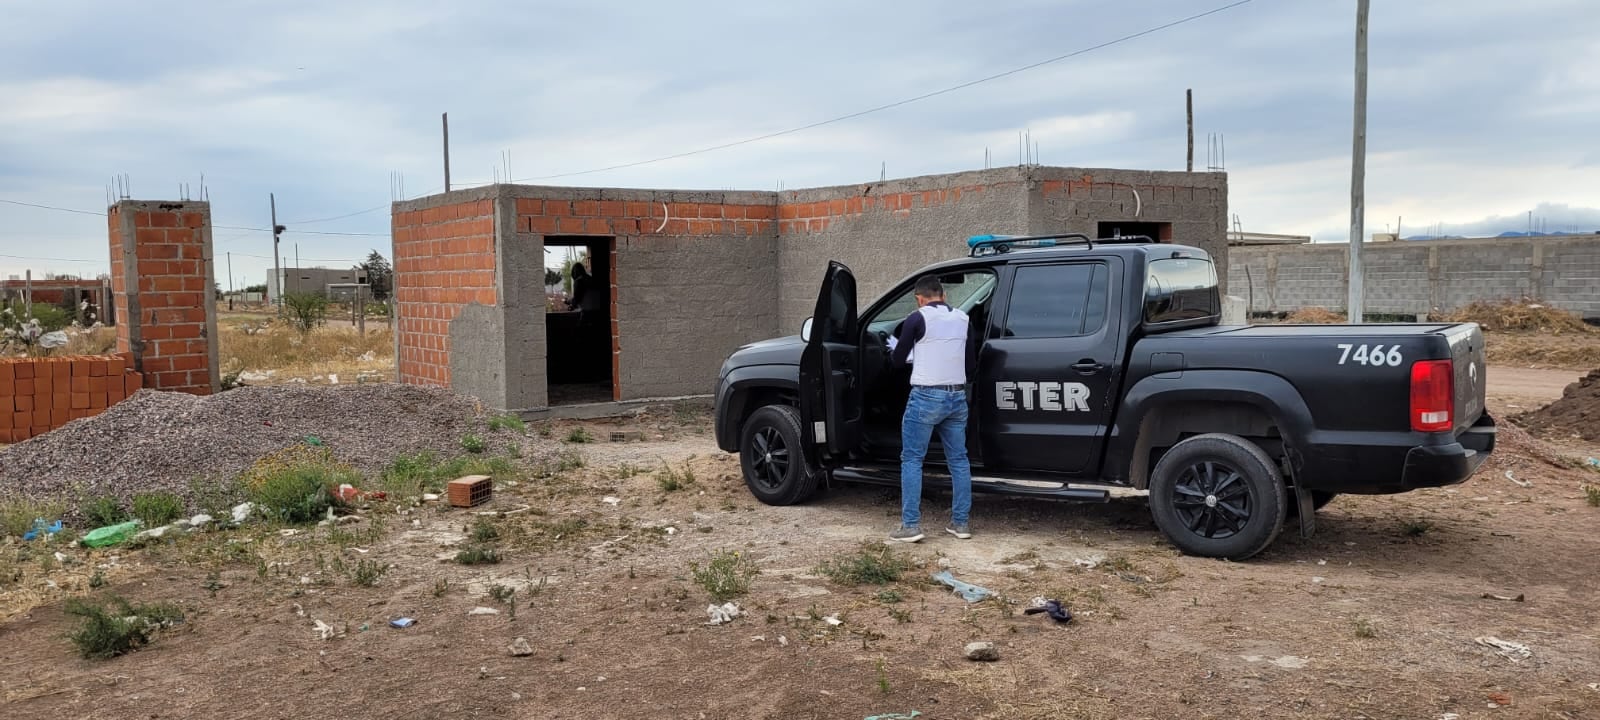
402	622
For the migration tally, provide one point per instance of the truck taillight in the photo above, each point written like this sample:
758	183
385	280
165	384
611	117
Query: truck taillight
1432	395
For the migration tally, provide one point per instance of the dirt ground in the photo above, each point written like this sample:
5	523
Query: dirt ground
1376	616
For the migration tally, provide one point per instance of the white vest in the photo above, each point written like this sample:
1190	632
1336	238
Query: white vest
940	357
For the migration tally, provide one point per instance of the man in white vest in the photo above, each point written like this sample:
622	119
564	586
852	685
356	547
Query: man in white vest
945	358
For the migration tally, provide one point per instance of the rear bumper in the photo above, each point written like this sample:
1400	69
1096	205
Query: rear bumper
1386	469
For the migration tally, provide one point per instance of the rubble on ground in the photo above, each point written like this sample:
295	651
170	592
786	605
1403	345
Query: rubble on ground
1576	414
157	441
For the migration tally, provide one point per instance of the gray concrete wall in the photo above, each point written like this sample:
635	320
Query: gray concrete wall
884	244
685	303
1417	277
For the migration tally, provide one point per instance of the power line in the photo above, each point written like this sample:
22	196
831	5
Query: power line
898	103
47	259
216	227
51	207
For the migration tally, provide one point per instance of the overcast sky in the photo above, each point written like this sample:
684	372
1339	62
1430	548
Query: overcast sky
1480	110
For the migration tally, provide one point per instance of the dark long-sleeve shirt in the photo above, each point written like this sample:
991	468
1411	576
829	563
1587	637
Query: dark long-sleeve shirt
911	330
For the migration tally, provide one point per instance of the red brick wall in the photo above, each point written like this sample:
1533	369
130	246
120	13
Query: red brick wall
165	307
804	217
40	394
444	259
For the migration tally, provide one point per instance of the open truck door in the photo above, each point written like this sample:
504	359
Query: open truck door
830	385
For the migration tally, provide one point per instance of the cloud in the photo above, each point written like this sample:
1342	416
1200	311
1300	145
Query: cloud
1477	108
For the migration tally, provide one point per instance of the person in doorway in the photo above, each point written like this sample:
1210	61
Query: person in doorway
944	359
584	296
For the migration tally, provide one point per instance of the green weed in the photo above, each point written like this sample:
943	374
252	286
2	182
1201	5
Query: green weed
725	575
103	511
580	435
484	531
1591	493
17	515
508	421
870	564
412	475
1365	628
672	481
368	572
157	508
473	443
1416	528
478	555
297	486
117	626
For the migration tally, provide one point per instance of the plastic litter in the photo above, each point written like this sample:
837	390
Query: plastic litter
110	534
315	441
1519	597
40	529
724	613
53	340
969	592
895	716
483	611
1053	608
324	630
404	622
241	512
1592	462
1515	652
1520	483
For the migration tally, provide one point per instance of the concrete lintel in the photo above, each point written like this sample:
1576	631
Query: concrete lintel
486	192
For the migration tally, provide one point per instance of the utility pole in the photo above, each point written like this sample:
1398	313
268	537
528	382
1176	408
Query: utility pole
27	293
1188	101
277	267
1358	169
446	119
230	280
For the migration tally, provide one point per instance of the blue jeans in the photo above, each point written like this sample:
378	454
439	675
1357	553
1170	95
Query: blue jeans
926	411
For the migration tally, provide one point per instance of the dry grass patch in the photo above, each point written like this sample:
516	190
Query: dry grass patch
257	343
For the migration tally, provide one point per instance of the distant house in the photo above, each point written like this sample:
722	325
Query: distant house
319	280
66	293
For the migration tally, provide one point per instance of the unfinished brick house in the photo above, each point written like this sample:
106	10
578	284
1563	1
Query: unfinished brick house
692	275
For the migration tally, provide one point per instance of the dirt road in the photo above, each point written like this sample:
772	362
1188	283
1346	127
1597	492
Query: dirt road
1522	389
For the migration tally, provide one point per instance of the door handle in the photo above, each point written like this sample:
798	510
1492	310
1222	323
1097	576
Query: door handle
1087	367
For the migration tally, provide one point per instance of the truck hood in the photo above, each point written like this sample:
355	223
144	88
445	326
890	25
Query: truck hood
777	351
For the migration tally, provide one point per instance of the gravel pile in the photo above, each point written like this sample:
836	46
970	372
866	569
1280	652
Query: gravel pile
166	441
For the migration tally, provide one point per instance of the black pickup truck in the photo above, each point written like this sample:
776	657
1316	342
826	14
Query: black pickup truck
1103	363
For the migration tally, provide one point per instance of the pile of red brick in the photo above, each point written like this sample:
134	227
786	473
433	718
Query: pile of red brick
38	395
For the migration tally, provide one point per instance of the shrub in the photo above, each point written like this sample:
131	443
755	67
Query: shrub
117	627
726	574
473	443
424	472
868	565
508	421
17	515
305	310
484	531
478	555
368	572
103	511
580	435
297	486
157	508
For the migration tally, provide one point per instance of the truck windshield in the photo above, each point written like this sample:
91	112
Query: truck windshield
1181	288
962	290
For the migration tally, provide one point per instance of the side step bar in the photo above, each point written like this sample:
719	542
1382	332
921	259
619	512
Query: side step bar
1005	486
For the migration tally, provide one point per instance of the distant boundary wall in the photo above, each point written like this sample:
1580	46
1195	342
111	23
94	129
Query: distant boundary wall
1419	276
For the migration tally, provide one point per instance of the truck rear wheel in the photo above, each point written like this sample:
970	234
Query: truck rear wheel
1218	496
772	458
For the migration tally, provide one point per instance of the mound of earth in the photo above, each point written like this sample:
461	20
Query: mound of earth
169	441
1576	414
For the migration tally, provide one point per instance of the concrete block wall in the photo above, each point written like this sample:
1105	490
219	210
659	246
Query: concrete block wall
444	261
1418	277
38	395
693	276
161	286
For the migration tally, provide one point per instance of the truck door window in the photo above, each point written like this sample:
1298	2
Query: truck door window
1057	301
962	291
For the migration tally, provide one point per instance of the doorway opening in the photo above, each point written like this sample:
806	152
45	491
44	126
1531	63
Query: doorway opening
1157	231
578	313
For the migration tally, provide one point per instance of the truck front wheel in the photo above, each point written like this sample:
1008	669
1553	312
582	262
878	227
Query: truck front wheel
1218	495
772	457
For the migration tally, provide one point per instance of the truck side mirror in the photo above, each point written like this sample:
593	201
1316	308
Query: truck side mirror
805	331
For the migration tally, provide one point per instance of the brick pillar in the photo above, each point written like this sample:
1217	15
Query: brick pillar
161	270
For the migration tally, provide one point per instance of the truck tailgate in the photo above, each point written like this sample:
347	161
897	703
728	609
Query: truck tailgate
1467	361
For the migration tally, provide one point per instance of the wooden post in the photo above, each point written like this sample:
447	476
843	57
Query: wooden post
1188	96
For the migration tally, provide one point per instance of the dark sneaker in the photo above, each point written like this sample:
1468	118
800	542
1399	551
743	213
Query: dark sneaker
906	534
962	531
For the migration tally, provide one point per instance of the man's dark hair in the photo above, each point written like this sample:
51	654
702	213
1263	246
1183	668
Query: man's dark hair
579	269
928	286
